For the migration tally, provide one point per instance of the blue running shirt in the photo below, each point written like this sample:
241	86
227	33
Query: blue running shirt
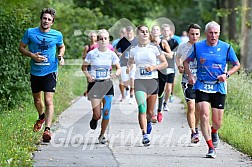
212	62
44	42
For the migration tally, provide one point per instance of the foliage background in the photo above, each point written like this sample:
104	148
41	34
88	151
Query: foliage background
72	19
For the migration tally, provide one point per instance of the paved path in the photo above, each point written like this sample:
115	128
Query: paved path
74	144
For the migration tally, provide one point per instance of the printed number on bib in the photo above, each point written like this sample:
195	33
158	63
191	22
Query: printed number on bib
143	72
127	55
193	71
101	73
209	87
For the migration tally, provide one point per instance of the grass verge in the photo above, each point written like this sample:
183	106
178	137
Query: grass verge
17	140
236	129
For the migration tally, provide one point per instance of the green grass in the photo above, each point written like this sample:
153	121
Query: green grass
17	140
236	129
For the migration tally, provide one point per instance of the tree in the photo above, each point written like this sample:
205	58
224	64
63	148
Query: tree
246	36
232	20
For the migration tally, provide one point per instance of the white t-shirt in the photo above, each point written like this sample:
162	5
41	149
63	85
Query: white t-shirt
101	62
182	53
145	56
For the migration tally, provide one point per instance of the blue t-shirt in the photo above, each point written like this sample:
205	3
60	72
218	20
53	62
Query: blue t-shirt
46	43
212	62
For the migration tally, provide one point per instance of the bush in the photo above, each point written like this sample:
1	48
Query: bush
14	67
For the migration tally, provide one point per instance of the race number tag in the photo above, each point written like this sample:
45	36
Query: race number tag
101	73
209	87
127	54
143	72
193	71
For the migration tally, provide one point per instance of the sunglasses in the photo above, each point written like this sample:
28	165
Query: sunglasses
104	38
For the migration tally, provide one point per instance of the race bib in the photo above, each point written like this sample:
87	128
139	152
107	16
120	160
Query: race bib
209	87
127	54
143	72
44	63
170	70
101	73
193	71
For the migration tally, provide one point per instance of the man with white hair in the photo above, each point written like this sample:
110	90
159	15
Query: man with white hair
212	56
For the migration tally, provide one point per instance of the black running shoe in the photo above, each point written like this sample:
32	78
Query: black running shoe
93	124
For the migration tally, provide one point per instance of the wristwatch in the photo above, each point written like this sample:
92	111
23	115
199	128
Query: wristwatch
227	75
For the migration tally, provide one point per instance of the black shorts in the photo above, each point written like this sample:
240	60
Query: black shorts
97	90
170	78
162	78
45	83
217	100
149	86
188	91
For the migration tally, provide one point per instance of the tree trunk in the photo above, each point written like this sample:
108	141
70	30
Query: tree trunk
220	4
232	20
246	36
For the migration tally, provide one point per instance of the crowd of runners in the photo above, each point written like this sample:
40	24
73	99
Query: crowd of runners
146	60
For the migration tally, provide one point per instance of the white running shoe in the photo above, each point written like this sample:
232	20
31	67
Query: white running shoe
165	108
127	94
102	140
131	100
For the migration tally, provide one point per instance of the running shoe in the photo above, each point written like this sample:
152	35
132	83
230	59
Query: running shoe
149	127
146	140
165	108
211	153
102	140
127	94
215	139
131	101
38	125
171	99
194	138
46	136
197	130
154	119
160	117
93	124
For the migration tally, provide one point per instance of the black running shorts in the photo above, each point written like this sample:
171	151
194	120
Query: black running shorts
217	100
45	83
188	91
97	90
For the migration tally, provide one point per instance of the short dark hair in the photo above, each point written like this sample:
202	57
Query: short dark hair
139	28
50	11
195	26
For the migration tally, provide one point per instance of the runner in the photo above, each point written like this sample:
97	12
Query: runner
162	74
93	44
173	43
183	49
100	87
42	43
145	56
126	80
212	56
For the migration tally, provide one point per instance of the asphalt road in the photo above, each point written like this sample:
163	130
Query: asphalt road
74	144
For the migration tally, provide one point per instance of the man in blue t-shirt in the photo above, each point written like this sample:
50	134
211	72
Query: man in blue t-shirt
42	44
212	56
